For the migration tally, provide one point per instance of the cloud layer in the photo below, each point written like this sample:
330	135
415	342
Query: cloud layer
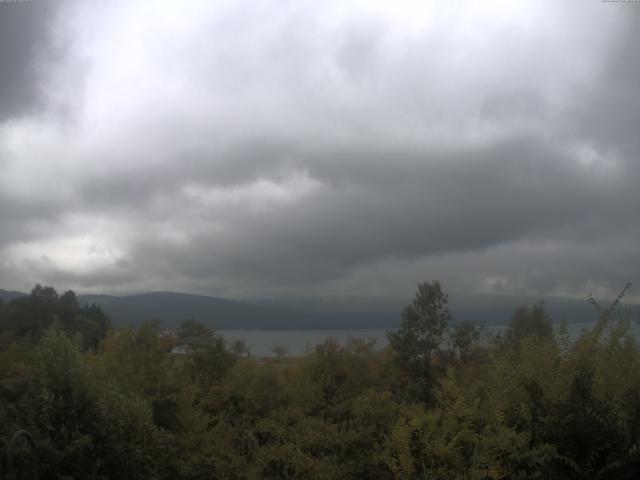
291	148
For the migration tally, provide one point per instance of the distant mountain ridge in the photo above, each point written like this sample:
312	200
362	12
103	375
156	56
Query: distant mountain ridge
172	308
8	295
222	314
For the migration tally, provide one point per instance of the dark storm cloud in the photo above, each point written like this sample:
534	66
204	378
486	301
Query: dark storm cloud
380	204
610	115
24	47
236	165
24	220
242	149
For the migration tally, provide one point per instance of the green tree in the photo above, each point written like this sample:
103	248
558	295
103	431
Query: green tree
463	338
529	322
64	403
421	332
29	316
239	348
279	351
209	360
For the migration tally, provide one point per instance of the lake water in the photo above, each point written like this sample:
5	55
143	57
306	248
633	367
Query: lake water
299	342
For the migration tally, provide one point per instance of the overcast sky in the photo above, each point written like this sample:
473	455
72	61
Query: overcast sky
299	148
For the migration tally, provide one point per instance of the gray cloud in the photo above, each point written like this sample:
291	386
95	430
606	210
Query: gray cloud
301	149
26	47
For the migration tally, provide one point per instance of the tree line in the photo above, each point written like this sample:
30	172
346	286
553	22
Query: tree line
442	401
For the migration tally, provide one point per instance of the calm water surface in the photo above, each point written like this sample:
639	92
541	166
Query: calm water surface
299	342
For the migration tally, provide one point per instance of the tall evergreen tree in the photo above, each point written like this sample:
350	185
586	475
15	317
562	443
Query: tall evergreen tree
424	323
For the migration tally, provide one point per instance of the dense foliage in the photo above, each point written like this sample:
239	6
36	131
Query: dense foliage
438	403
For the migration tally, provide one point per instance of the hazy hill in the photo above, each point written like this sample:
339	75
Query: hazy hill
352	313
222	314
7	295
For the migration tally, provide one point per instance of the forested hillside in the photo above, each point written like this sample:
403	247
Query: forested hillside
107	403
